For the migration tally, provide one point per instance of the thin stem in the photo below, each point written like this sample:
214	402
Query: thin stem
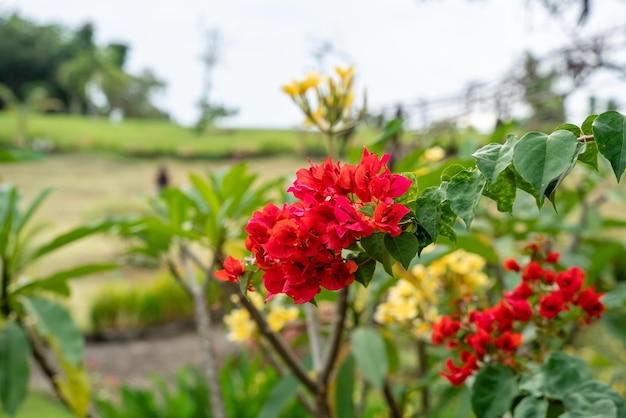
4	295
391	402
281	349
203	323
315	341
335	338
423	370
586	138
179	279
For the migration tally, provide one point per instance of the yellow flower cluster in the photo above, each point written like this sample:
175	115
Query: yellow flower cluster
241	328
333	99
412	302
408	307
460	273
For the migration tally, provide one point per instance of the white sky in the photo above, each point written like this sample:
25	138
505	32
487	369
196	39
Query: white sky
403	49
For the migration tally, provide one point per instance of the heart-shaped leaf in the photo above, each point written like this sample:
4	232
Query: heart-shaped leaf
609	130
493	159
464	192
540	158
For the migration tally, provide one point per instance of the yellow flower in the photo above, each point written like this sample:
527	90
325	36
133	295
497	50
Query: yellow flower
291	89
312	80
383	314
241	328
434	154
346	75
279	316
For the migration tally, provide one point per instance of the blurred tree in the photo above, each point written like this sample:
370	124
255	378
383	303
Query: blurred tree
82	76
209	111
30	54
547	105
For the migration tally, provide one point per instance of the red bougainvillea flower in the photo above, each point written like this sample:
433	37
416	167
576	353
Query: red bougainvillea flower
508	341
232	271
511	265
533	272
445	328
551	305
570	282
589	301
299	247
484	335
552	257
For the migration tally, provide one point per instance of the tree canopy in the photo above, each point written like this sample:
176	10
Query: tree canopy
70	66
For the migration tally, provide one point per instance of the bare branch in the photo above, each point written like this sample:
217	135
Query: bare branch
274	339
335	339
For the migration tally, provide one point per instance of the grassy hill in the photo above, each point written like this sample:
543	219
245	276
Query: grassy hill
160	138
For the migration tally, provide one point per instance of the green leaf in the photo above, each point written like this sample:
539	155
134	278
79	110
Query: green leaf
503	191
32	208
73	235
539	158
531	407
570	127
594	398
74	387
428	210
57	282
392	129
8	214
54	323
393	354
411	194
451	170
610	134
344	389
14	368
402	248
464	192
493	391
368	349
587	126
279	397
554	184
367	267
493	159
374	246
209	195
590	156
446	222
559	375
616	297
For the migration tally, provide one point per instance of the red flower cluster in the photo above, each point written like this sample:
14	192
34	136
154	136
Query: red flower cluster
298	246
493	334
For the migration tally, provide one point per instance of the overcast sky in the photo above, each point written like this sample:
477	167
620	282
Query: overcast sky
403	50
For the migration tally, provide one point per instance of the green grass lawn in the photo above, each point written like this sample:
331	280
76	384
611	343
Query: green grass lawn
39	405
154	137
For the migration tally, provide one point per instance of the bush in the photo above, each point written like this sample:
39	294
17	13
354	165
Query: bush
124	306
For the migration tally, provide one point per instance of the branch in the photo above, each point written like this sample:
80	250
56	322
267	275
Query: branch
586	138
315	342
203	322
47	367
172	268
283	351
391	402
335	339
